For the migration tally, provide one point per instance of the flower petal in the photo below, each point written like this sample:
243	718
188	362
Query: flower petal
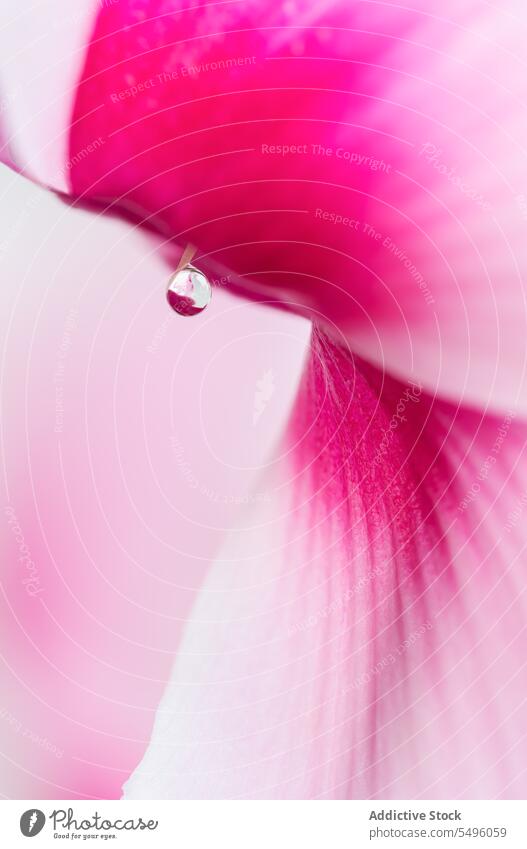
123	412
43	48
362	635
366	163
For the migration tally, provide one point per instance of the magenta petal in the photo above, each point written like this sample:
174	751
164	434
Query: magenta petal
363	638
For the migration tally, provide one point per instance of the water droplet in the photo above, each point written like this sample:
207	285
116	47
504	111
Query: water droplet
189	291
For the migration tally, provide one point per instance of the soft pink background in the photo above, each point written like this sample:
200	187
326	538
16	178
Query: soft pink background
162	439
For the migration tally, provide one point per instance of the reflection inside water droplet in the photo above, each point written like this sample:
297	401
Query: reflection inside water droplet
189	291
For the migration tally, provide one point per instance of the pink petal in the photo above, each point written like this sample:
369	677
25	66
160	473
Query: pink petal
431	106
43	47
125	456
362	635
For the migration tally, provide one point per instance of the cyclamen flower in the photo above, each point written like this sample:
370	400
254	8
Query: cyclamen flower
363	164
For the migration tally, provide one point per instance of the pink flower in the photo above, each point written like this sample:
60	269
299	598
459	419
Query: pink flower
360	635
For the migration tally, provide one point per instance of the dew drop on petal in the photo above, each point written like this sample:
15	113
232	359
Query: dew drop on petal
189	291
